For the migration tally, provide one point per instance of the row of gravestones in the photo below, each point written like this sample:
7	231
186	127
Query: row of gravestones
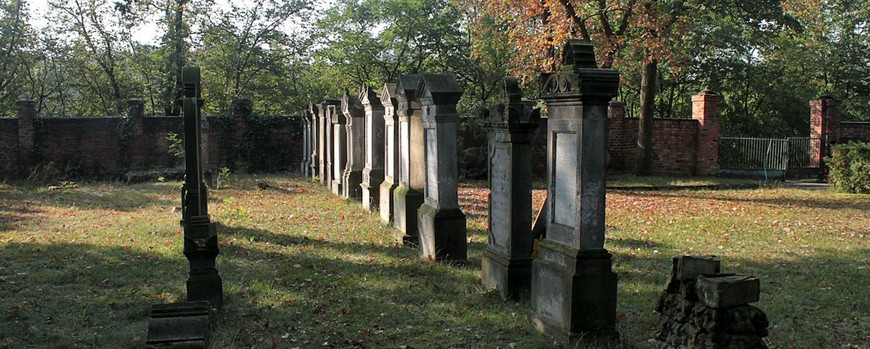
394	149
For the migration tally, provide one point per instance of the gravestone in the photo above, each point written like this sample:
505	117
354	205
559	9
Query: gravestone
441	222
314	132
339	146
373	173
573	286
323	125
507	260
408	196
200	235
328	135
391	151
355	129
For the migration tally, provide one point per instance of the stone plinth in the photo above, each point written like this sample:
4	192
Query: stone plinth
355	134
180	325
507	260
391	152
408	196
573	286
373	172
441	222
314	132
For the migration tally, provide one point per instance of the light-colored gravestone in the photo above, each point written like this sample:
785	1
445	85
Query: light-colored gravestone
408	196
373	173
339	146
507	260
355	133
573	286
325	135
306	144
441	222
314	124
391	151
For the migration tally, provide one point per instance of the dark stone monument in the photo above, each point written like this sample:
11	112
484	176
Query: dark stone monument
314	132
441	222
373	173
408	196
306	145
355	129
573	286
180	325
339	146
391	152
507	260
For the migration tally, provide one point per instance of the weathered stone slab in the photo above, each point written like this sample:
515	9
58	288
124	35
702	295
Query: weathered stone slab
727	291
373	172
355	151
391	152
408	196
180	325
690	267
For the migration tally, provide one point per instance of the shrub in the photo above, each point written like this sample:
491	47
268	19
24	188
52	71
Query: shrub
850	167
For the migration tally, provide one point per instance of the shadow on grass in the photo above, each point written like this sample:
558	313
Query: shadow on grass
827	202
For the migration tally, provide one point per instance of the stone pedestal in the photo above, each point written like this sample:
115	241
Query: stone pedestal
355	133
180	325
373	173
326	145
338	147
408	196
306	143
391	152
441	222
573	286
507	260
314	132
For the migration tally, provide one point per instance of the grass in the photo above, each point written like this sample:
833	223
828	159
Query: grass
80	266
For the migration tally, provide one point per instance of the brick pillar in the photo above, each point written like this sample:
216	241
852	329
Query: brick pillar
615	130
824	128
706	106
242	108
138	146
26	132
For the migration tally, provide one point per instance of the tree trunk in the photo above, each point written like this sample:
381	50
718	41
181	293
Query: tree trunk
643	165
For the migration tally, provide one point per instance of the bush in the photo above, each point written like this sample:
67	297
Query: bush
850	167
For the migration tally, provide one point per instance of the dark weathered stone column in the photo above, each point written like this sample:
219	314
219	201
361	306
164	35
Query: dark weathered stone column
442	223
306	145
200	235
373	173
339	146
355	129
573	286
507	260
391	151
408	196
314	132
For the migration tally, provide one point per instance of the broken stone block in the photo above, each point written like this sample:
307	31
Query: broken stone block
727	291
690	267
180	325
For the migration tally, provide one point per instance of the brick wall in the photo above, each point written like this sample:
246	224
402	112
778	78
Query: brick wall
854	131
8	147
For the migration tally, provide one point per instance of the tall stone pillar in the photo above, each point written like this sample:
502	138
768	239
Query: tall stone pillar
339	146
391	152
573	286
408	196
200	235
355	133
306	144
824	129
326	153
373	173
26	133
314	131
441	222
706	107
507	260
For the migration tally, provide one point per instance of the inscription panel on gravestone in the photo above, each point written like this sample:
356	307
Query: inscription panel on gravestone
565	178
550	300
370	140
499	198
391	152
432	165
404	160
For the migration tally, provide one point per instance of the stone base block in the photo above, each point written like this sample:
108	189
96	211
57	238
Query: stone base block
350	188
206	285
335	186
574	294
442	233
371	193
406	202
722	292
511	277
689	267
386	201
180	325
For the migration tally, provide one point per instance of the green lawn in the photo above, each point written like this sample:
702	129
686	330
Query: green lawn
80	266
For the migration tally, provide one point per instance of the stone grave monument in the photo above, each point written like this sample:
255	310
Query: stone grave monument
339	146
391	152
314	132
441	222
306	145
355	129
373	173
408	196
573	286
507	260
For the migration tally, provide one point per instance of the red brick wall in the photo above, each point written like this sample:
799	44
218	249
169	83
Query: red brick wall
854	131
674	145
78	146
8	147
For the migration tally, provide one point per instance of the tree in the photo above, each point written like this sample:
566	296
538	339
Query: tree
14	33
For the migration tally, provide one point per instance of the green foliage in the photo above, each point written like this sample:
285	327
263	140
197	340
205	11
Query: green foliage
223	177
849	166
176	145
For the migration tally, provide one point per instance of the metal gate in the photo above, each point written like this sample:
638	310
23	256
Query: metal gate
767	157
